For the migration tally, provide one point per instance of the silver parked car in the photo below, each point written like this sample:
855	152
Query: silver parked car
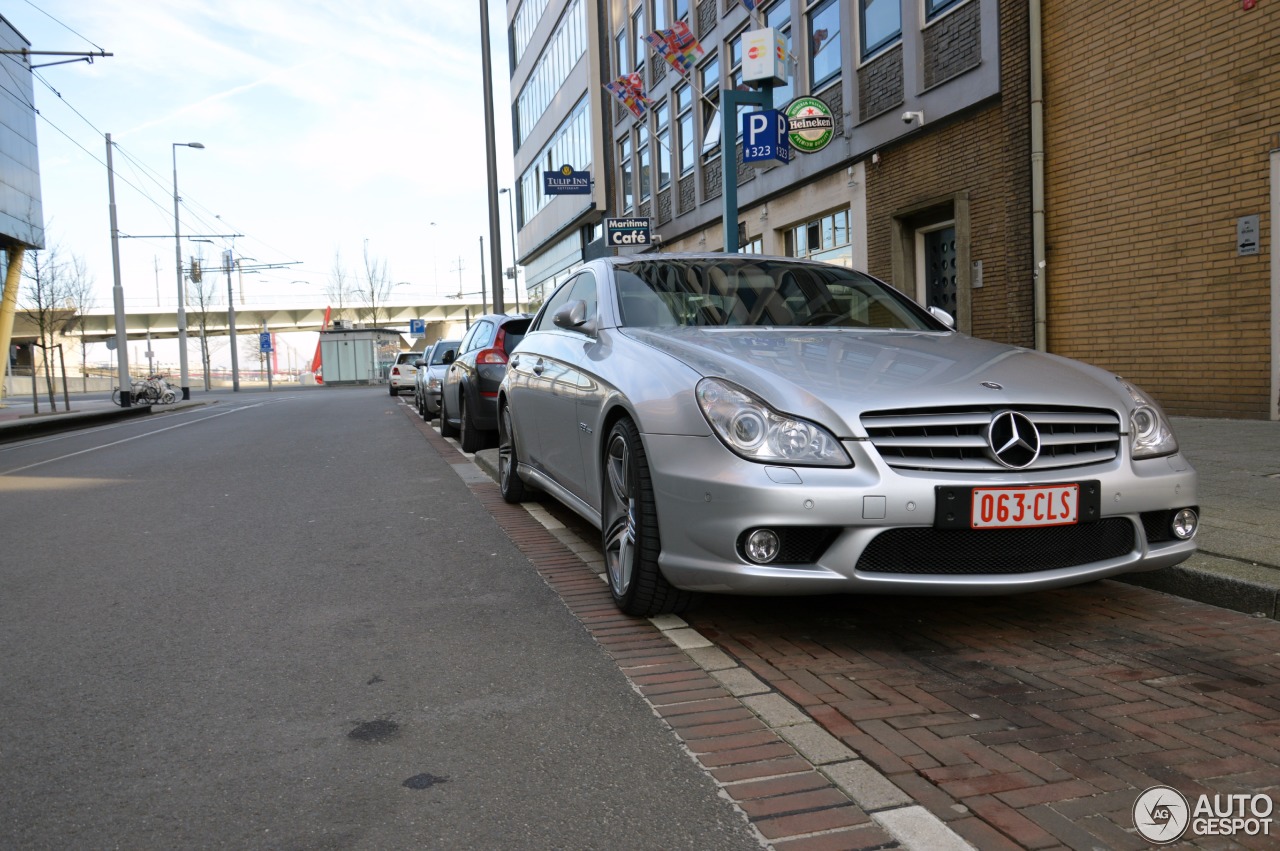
757	425
431	368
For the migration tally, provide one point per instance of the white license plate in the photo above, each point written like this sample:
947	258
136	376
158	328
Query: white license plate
1016	508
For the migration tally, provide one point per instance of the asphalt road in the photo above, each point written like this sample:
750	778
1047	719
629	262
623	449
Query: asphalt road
275	621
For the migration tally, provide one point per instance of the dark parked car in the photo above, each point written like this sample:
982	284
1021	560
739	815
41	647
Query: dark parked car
431	369
469	392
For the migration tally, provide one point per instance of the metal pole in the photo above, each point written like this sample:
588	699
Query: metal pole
66	396
483	287
515	275
491	162
729	101
117	293
231	324
185	380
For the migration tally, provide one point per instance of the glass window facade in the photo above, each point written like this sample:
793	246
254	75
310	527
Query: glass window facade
571	145
566	47
522	27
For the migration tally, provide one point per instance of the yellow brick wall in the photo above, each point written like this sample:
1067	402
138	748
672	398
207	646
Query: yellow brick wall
1159	126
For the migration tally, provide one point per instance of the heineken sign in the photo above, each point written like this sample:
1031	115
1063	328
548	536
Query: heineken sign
810	123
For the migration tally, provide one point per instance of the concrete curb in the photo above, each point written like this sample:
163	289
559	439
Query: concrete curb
36	425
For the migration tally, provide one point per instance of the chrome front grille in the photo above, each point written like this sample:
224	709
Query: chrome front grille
955	439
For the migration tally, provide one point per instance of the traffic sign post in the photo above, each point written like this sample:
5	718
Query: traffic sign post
264	346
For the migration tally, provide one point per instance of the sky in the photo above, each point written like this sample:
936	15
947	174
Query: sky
329	128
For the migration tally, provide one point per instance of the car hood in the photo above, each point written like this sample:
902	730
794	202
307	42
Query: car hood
833	376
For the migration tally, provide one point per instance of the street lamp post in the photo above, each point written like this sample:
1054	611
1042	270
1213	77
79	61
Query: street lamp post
177	254
511	212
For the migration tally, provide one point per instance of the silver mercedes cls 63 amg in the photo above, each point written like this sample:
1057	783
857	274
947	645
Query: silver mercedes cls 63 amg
755	425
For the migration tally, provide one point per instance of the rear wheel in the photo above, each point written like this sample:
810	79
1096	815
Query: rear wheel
629	520
392	388
446	430
513	487
471	440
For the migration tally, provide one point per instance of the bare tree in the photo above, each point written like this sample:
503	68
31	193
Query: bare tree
80	299
202	296
44	298
375	289
339	288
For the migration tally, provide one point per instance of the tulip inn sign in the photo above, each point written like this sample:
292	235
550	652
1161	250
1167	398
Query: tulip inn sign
566	181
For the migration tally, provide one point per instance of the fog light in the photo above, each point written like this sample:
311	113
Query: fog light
762	546
1184	524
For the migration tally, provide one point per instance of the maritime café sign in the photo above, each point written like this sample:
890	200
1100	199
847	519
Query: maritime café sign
566	181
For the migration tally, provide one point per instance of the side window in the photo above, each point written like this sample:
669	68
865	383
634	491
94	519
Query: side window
584	289
557	300
476	337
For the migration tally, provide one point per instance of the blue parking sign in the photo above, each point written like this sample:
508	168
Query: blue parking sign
264	341
765	137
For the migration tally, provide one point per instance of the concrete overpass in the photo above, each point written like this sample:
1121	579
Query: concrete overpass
159	325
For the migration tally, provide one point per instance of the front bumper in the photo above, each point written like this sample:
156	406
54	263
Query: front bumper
708	498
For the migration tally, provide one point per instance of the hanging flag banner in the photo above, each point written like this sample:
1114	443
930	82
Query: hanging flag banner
678	46
629	88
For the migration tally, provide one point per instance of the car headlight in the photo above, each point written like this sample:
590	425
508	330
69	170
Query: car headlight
758	433
434	385
1150	434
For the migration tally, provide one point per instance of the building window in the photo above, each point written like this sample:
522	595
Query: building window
637	33
824	43
627	183
662	118
684	120
880	24
779	19
709	74
934	8
522	28
681	10
660	14
825	239
644	173
620	54
755	245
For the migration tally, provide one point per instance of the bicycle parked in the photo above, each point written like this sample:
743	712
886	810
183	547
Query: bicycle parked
153	390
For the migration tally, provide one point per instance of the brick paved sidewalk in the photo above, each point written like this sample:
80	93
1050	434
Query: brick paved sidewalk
1031	721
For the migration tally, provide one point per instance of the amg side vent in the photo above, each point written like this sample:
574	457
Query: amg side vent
960	439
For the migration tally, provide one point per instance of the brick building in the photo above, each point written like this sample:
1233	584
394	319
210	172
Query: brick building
1073	184
1161	157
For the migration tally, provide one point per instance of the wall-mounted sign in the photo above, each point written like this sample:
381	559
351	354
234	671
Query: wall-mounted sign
810	123
623	232
566	181
764	57
764	137
1247	235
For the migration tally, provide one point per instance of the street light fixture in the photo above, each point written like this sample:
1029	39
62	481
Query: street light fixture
177	254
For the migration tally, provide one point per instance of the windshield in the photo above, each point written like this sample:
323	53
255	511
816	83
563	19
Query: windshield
442	349
673	292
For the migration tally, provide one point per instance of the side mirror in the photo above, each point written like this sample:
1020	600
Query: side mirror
942	316
449	356
573	317
419	363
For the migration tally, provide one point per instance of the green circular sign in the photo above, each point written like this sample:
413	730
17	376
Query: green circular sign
811	124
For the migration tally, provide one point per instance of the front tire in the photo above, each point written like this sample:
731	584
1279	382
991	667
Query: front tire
629	523
513	487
